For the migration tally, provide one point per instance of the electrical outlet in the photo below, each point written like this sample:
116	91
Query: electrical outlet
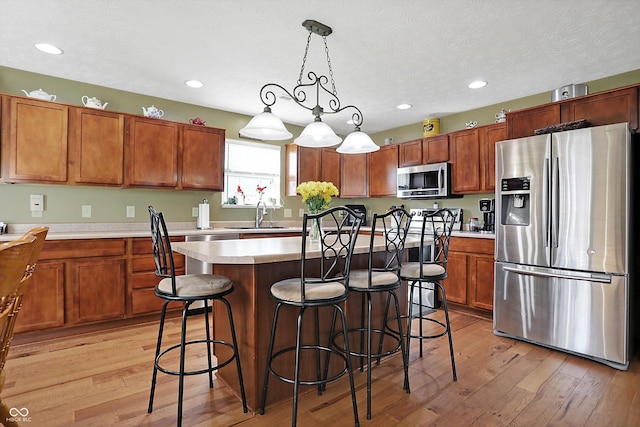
194	212
287	213
86	211
300	212
131	211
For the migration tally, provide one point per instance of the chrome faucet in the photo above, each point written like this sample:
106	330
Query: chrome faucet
260	215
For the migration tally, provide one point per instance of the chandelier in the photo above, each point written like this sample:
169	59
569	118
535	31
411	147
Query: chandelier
267	126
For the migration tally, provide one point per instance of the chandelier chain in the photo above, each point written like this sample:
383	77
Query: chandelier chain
333	82
304	59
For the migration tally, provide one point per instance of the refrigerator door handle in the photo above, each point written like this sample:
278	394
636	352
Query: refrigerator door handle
589	277
545	204
555	194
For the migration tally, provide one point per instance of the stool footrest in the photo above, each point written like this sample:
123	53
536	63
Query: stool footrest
195	372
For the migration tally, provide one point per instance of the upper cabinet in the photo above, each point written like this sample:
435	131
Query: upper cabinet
354	176
202	166
34	141
96	147
465	159
434	149
524	122
152	153
616	106
383	167
488	136
86	146
304	164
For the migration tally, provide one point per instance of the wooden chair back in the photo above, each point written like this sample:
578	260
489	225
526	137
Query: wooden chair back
40	233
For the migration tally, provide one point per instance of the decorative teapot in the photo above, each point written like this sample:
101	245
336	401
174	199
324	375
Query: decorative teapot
40	94
93	102
501	116
197	121
152	112
471	124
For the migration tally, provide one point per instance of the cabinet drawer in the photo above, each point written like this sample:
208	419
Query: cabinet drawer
82	248
472	245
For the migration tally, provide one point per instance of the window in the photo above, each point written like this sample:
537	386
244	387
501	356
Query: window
249	169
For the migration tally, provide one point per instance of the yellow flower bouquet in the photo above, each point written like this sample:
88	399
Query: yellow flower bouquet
317	195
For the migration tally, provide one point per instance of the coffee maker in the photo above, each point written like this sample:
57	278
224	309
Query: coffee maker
487	207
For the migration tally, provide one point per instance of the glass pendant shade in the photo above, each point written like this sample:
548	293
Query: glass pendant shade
266	126
357	142
317	134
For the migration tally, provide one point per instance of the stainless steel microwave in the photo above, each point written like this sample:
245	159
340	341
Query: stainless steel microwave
425	181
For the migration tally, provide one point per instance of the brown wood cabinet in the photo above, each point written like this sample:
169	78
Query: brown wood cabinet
470	272
151	156
75	282
488	136
304	164
383	167
354	176
604	108
142	279
202	166
465	159
34	141
410	153
435	149
96	147
524	122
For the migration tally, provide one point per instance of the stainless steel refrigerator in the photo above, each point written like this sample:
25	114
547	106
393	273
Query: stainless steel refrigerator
563	241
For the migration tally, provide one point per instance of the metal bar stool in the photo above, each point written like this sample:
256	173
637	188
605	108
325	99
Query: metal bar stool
382	275
323	282
188	289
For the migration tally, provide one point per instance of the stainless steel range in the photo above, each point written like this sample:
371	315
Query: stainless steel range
415	229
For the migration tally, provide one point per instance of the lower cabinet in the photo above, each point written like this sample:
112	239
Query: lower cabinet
75	282
470	273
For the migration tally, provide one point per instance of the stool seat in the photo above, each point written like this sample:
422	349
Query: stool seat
196	285
359	279
411	271
289	290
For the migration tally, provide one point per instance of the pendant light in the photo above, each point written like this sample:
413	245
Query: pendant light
267	126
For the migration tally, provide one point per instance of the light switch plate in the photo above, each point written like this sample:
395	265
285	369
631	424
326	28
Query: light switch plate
287	213
36	202
194	212
86	211
300	212
131	211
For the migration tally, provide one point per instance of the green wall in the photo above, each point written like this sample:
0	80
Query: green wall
63	203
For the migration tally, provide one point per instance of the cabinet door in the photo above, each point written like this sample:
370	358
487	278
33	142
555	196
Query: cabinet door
98	289
354	175
465	156
44	300
302	164
96	144
489	135
152	153
481	281
456	283
525	122
331	166
410	153
202	158
36	149
435	149
383	167
606	108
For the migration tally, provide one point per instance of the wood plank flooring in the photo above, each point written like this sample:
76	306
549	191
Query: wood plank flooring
102	379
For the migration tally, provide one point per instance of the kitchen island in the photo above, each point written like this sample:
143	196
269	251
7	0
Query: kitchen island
254	265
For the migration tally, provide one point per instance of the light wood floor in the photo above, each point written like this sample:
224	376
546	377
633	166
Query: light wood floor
102	379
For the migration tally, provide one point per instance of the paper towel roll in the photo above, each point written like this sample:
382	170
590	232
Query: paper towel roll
203	215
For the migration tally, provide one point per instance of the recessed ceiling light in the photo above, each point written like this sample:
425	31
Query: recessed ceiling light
48	48
477	84
404	106
194	83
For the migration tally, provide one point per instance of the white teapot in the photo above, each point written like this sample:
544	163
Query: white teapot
501	116
93	102
40	94
152	112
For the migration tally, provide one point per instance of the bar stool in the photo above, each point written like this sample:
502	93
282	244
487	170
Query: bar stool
430	268
187	289
323	282
381	276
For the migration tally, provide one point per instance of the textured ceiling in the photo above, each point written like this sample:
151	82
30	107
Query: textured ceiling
422	52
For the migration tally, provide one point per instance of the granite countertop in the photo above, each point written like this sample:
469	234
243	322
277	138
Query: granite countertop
69	231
